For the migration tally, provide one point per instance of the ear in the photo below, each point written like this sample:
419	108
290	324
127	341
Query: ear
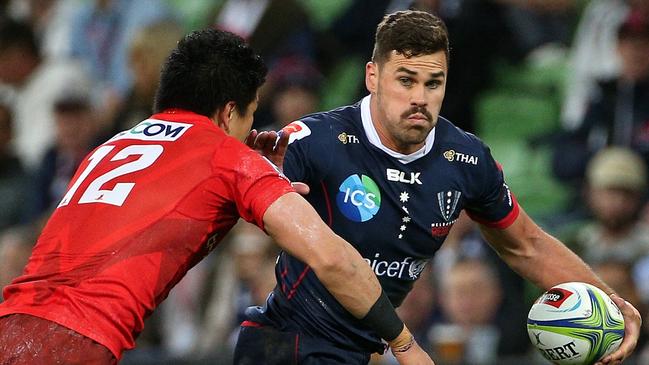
371	76
224	116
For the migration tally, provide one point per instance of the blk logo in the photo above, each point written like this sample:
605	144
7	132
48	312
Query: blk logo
402	177
358	198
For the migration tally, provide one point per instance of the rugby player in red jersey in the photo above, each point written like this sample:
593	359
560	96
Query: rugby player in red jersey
151	202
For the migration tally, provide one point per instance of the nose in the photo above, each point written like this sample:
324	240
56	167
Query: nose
418	96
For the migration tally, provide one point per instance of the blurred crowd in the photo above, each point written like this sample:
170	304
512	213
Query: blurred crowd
75	72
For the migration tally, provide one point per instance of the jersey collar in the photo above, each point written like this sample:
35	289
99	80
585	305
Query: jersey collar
374	139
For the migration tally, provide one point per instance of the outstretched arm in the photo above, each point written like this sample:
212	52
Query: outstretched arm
546	262
341	269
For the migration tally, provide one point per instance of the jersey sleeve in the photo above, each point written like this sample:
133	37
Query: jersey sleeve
257	183
307	159
493	205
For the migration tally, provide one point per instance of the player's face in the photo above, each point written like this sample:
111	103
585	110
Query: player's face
407	94
241	123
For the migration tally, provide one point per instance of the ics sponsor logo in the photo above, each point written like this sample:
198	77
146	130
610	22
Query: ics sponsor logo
555	297
358	198
154	130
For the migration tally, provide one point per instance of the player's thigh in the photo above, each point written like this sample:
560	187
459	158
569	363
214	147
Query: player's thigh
316	351
265	346
28	340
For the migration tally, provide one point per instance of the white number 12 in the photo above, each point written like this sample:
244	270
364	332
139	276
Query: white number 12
117	195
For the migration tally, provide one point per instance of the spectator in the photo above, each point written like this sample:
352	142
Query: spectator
292	91
51	20
36	83
100	36
617	181
13	179
592	56
15	246
472	321
148	49
76	136
275	28
619	275
618	113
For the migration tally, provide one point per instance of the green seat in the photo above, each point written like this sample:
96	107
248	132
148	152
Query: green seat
502	114
342	85
323	12
527	172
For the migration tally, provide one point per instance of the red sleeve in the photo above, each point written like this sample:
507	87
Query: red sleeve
257	184
502	223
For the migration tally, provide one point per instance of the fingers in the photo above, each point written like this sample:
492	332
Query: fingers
250	139
265	142
632	324
301	188
282	143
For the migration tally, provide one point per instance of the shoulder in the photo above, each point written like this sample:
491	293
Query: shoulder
324	123
453	140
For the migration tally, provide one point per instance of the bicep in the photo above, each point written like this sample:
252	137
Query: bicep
298	229
518	239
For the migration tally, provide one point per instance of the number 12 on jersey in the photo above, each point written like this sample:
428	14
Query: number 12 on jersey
117	195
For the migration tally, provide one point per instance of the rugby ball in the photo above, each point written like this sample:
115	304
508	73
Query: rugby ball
575	323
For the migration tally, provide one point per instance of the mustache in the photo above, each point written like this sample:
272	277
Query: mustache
415	110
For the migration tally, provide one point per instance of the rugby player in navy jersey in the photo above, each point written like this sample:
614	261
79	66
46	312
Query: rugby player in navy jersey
391	176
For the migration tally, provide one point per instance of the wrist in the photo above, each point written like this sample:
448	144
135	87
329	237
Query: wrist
403	342
384	320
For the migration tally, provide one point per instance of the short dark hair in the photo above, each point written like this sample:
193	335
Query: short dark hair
208	69
410	33
18	34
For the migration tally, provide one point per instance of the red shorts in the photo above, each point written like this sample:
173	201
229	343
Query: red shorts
29	340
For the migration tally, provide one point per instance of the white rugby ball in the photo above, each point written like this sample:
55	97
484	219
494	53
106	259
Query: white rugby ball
575	323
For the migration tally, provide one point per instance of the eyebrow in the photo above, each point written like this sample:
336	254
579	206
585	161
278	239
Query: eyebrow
411	72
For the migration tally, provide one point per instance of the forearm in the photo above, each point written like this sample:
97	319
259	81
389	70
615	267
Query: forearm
539	257
339	267
552	263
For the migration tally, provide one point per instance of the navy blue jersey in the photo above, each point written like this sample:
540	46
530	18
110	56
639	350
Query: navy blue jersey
395	209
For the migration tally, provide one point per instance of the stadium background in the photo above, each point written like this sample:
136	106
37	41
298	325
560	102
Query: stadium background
524	76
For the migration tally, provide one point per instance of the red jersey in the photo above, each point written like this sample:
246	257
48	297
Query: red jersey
141	210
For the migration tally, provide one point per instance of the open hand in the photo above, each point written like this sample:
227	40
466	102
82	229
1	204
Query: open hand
632	324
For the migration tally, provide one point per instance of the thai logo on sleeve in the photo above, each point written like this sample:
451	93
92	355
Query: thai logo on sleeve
359	198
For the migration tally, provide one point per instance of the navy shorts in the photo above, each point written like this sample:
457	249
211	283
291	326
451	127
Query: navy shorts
265	345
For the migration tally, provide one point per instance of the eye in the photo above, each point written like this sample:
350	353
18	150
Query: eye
405	81
433	84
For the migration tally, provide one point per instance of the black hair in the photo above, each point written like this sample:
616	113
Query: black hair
208	69
18	34
410	33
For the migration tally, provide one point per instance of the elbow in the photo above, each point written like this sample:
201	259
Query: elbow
333	264
525	250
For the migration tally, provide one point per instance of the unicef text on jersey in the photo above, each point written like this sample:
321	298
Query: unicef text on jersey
154	130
